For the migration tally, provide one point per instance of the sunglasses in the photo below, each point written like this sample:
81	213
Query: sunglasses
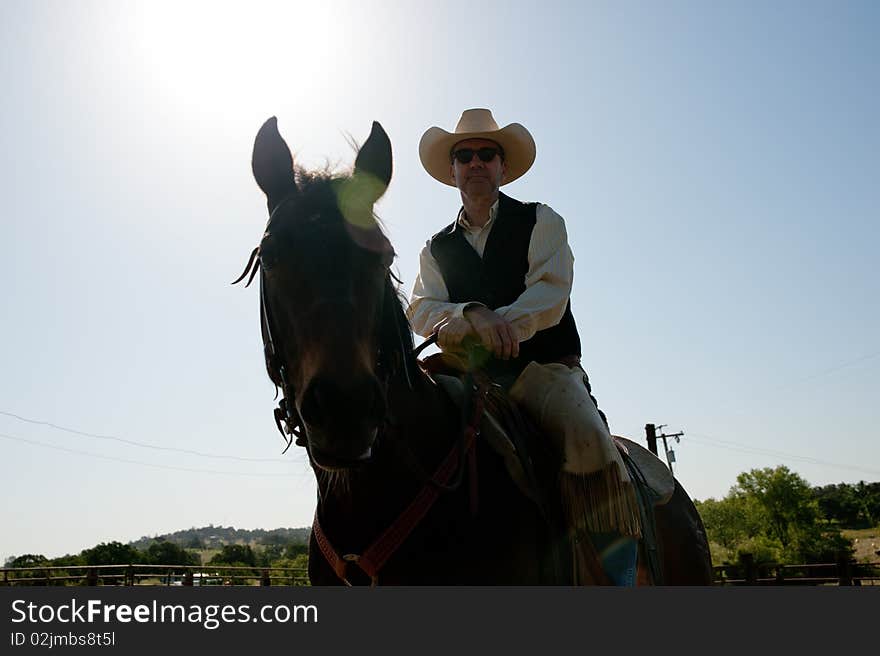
465	155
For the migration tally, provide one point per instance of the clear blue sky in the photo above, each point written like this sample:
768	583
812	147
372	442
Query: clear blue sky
716	163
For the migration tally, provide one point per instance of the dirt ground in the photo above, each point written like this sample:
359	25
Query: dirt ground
867	544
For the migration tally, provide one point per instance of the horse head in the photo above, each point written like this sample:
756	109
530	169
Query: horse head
331	316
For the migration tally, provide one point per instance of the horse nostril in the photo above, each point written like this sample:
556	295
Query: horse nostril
326	401
312	410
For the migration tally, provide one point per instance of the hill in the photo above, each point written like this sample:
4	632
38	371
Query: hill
215	537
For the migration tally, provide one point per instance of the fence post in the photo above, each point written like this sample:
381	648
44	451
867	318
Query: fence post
91	576
188	578
780	575
751	572
844	569
265	581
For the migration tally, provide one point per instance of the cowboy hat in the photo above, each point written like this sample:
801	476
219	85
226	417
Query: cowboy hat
435	147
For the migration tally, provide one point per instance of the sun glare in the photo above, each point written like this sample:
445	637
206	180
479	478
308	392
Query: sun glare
228	57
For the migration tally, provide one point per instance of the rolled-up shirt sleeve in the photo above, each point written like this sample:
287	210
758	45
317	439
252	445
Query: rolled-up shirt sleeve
429	302
548	280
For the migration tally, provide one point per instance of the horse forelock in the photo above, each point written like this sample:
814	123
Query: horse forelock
317	198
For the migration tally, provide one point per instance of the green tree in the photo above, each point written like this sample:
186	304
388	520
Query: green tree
235	554
69	560
731	520
852	506
112	553
773	514
194	542
273	539
786	501
168	553
28	560
296	550
268	554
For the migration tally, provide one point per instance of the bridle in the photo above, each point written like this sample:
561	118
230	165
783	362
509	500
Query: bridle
287	418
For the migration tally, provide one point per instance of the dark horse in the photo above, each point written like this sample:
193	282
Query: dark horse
408	493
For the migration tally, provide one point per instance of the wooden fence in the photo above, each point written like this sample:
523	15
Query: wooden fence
843	572
153	575
745	573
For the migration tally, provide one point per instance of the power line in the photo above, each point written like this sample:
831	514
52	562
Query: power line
735	446
134	462
792	383
833	368
142	445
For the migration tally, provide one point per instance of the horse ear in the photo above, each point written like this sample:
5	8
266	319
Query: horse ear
374	161
272	163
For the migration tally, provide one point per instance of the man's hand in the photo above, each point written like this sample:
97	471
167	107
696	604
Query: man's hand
494	332
452	331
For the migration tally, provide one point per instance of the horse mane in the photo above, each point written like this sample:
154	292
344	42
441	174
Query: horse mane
396	344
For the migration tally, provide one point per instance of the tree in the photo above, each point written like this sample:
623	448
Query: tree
27	560
168	553
296	550
112	553
234	554
852	506
731	520
773	514
194	542
785	498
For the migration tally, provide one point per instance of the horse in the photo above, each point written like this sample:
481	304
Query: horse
407	491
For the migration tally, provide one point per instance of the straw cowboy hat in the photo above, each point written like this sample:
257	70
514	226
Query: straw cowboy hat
435	148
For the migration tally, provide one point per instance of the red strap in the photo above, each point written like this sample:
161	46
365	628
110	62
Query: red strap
339	566
374	558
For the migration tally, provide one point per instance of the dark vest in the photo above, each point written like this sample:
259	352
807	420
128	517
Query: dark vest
499	277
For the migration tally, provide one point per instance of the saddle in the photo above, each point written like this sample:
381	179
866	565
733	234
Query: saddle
506	440
506	430
501	436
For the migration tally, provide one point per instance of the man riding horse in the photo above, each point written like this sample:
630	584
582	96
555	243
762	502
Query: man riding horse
501	273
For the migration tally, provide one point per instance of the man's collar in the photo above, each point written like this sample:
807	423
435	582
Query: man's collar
464	223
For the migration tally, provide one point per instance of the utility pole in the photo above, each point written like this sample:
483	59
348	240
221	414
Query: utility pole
651	432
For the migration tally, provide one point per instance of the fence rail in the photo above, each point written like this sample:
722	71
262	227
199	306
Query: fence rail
137	574
844	573
744	573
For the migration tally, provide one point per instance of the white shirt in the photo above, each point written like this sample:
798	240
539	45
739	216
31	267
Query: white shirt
548	279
